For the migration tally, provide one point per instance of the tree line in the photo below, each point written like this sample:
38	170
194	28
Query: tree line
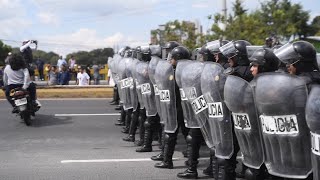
274	18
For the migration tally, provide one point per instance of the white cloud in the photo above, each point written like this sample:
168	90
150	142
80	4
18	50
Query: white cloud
47	18
200	5
85	39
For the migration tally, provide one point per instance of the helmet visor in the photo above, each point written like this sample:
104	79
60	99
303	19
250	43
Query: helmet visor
214	46
165	53
252	49
287	54
228	50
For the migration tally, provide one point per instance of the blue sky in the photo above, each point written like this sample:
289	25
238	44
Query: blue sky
67	26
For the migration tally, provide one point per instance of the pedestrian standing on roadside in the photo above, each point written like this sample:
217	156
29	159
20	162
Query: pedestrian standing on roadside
53	76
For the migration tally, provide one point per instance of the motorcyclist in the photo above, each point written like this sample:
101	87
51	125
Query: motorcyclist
16	75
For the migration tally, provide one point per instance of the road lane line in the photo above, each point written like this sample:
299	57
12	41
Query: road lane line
104	114
115	160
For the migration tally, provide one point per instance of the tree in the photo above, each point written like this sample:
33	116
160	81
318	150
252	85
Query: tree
4	50
315	26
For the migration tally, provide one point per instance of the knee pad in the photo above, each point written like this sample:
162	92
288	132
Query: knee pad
189	139
147	124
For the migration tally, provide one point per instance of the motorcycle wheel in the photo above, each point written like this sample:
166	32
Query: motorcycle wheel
27	118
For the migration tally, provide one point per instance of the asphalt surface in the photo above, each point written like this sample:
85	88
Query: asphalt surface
42	151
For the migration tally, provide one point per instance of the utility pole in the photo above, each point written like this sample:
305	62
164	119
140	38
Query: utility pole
224	8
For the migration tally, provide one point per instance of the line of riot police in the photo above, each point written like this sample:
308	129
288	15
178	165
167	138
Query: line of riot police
260	103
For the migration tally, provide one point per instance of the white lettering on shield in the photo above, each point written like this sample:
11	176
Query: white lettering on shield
199	104
286	124
145	88
215	110
315	143
192	93
156	90
126	83
241	121
183	95
164	95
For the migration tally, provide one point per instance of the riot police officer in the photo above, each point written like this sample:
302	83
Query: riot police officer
300	59
170	138
263	60
166	49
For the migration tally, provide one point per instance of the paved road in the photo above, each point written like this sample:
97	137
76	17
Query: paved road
38	152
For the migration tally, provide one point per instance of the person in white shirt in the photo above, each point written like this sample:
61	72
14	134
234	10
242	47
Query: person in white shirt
83	78
16	75
61	62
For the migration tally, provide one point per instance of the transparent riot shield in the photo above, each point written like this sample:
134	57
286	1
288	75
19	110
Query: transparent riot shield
164	77
219	124
313	120
191	84
151	71
239	99
125	83
138	86
188	113
281	101
146	88
131	68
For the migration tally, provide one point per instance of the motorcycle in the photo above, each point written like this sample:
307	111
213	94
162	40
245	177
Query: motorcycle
26	108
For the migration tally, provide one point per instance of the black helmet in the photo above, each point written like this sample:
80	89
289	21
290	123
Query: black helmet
155	50
128	53
144	54
121	51
237	49
204	54
167	48
265	59
301	54
179	53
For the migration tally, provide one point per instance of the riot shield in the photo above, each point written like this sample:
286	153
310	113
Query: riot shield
313	120
188	113
131	68
146	88
151	71
125	83
239	99
219	125
281	101
164	77
138	86
191	92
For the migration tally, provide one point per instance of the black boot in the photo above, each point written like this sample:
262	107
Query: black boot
241	174
194	140
142	119
170	143
190	173
122	118
127	121
147	145
129	138
209	170
159	157
226	170
133	127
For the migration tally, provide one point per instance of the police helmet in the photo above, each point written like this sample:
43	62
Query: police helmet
179	53
301	53
167	48
266	60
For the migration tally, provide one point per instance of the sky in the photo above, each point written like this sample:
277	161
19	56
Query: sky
66	26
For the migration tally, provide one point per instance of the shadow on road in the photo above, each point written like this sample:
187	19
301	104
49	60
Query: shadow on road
42	120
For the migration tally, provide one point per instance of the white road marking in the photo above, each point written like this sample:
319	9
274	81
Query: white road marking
104	114
115	160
